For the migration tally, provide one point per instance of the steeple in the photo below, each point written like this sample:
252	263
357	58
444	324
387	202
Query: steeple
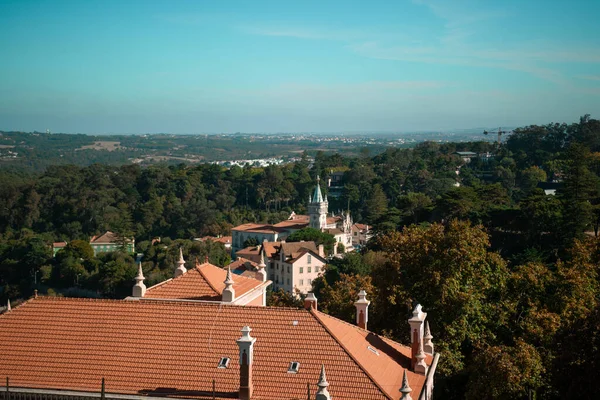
229	292
318	208
180	270
139	289
405	389
317	196
322	392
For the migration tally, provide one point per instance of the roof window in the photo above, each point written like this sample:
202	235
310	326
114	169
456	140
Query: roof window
294	367
373	350
224	362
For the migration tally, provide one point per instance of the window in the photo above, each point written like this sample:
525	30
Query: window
294	367
288	281
308	259
288	269
355	233
272	265
301	282
224	362
316	268
301	269
309	282
309	270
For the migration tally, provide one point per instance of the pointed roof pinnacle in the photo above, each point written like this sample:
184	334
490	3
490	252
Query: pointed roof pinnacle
322	378
405	389
180	270
8	306
262	264
228	279
140	274
317	195
427	335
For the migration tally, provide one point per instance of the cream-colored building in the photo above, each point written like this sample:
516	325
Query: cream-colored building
295	265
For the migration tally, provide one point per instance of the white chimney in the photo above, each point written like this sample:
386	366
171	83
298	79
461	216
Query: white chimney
416	332
310	301
246	346
362	309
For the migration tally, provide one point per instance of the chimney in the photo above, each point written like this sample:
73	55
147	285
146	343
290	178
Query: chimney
310	301
246	345
228	294
416	333
428	344
322	250
322	392
180	270
362	309
139	289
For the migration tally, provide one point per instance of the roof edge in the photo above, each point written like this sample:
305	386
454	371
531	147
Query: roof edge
316	315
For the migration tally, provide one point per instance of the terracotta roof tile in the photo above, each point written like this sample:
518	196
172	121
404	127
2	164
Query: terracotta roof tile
143	346
204	282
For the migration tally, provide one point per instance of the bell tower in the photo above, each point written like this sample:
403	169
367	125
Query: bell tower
317	208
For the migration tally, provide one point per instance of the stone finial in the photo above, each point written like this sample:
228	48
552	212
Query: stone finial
8	306
428	344
322	392
362	309
229	292
180	270
405	389
421	365
139	289
262	271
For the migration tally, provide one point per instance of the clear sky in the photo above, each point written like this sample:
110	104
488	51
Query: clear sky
200	66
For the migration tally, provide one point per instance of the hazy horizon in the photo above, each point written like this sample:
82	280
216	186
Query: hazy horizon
186	67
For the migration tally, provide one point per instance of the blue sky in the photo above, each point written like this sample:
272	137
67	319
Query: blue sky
296	66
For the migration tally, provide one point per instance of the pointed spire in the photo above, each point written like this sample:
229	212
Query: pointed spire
180	270
428	345
228	294
323	393
317	195
139	289
405	389
8	306
102	391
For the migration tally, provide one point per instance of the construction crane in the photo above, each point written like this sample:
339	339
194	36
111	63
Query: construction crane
500	132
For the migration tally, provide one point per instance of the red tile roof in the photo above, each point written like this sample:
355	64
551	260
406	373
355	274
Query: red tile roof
204	282
142	347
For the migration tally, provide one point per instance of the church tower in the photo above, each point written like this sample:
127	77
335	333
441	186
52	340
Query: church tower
317	208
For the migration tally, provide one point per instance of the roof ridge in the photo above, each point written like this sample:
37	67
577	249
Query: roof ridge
316	313
199	268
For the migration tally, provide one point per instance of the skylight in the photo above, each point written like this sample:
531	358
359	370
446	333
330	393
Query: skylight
224	362
294	367
373	350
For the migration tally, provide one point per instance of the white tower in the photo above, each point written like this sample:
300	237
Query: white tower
317	208
139	289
